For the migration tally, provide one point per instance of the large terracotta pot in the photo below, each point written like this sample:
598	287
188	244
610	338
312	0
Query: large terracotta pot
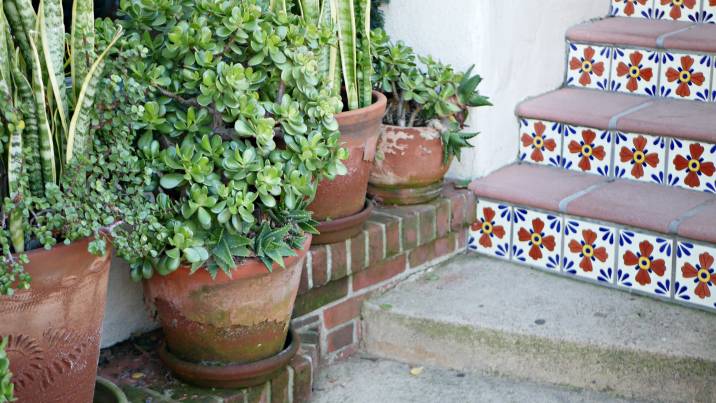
344	197
239	319
54	327
409	167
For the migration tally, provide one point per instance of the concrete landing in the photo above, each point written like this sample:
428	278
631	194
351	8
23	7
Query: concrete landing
366	379
489	316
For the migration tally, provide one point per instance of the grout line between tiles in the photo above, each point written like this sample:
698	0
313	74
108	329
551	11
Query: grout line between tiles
564	203
663	37
676	223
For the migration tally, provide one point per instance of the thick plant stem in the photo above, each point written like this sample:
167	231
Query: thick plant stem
366	61
348	49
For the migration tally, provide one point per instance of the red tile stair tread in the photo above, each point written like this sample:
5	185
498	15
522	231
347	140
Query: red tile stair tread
681	119
627	31
702	38
701	226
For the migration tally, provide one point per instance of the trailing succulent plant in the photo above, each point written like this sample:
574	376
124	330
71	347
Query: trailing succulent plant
235	127
6	386
422	91
50	191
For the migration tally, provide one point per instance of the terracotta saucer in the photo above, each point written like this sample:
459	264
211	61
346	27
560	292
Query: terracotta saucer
340	229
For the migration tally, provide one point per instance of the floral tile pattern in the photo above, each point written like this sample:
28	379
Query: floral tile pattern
540	142
644	263
630	8
537	238
587	150
589	250
589	66
685	76
677	10
491	232
708	15
640	157
692	165
696	274
635	71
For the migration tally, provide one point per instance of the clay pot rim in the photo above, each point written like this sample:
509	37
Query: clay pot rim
380	103
110	388
231	375
346	222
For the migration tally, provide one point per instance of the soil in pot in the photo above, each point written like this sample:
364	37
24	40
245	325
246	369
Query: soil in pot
54	327
409	166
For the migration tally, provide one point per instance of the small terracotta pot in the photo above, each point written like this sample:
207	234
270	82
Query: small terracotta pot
228	320
54	327
409	166
345	195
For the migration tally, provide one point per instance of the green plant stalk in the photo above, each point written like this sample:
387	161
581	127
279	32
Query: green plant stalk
347	41
21	17
47	148
366	60
81	42
52	36
31	142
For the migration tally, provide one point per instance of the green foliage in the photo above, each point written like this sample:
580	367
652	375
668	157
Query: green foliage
422	91
47	193
6	386
234	126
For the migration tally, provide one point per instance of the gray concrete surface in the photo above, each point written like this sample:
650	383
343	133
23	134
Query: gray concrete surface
365	379
491	316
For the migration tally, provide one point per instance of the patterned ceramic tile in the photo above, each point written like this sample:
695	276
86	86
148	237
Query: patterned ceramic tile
692	165
644	263
540	142
589	250
537	238
696	274
587	150
677	10
685	76
708	15
631	8
491	232
589	66
635	71
640	157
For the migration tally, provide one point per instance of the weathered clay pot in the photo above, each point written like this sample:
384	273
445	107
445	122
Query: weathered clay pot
228	320
409	166
345	195
54	327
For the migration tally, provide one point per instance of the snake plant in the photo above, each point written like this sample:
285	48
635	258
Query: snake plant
6	386
45	120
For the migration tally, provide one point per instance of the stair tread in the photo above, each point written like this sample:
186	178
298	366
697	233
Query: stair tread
489	294
643	205
688	120
370	379
624	31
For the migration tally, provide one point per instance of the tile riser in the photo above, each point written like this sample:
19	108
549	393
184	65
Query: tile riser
702	12
668	279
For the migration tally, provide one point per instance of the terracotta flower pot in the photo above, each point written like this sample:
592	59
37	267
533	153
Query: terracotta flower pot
228	320
345	195
409	167
54	327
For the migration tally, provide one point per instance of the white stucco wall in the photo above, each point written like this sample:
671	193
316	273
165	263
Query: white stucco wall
518	47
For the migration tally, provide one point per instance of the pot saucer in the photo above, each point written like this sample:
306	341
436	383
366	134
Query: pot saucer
340	229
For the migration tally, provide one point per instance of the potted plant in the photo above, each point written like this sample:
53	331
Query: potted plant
54	182
340	205
6	386
236	130
428	106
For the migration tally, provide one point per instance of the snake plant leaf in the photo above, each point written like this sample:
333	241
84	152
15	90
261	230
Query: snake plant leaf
5	39
366	61
79	125
311	11
347	42
52	36
47	153
21	16
14	172
82	38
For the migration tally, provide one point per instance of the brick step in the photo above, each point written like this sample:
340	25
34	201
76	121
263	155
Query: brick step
701	11
553	127
544	217
654	58
484	315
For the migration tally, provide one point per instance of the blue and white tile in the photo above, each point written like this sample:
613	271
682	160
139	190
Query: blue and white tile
589	66
640	157
692	165
644	263
630	8
537	238
490	234
541	142
696	274
685	76
635	71
587	150
589	250
677	10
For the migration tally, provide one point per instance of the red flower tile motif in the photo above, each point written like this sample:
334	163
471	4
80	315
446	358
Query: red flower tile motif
588	250
627	7
678	9
537	239
488	228
587	66
703	274
694	165
587	150
638	156
645	263
538	142
634	71
491	232
685	76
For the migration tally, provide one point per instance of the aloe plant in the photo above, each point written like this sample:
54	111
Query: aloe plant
44	123
6	386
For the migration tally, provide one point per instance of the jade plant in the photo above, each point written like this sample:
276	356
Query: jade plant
422	91
50	190
6	386
235	128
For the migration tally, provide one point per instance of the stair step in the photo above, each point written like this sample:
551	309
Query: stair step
696	11
620	220
491	316
370	379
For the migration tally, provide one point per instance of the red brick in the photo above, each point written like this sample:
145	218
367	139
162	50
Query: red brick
279	388
320	297
339	261
376	246
442	217
341	337
470	208
302	378
462	239
444	246
379	273
358	246
346	352
303	286
307	322
436	249
410	232
427	224
320	266
343	312
392	233
457	210
259	394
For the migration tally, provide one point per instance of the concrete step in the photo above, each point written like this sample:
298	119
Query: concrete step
489	316
368	379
